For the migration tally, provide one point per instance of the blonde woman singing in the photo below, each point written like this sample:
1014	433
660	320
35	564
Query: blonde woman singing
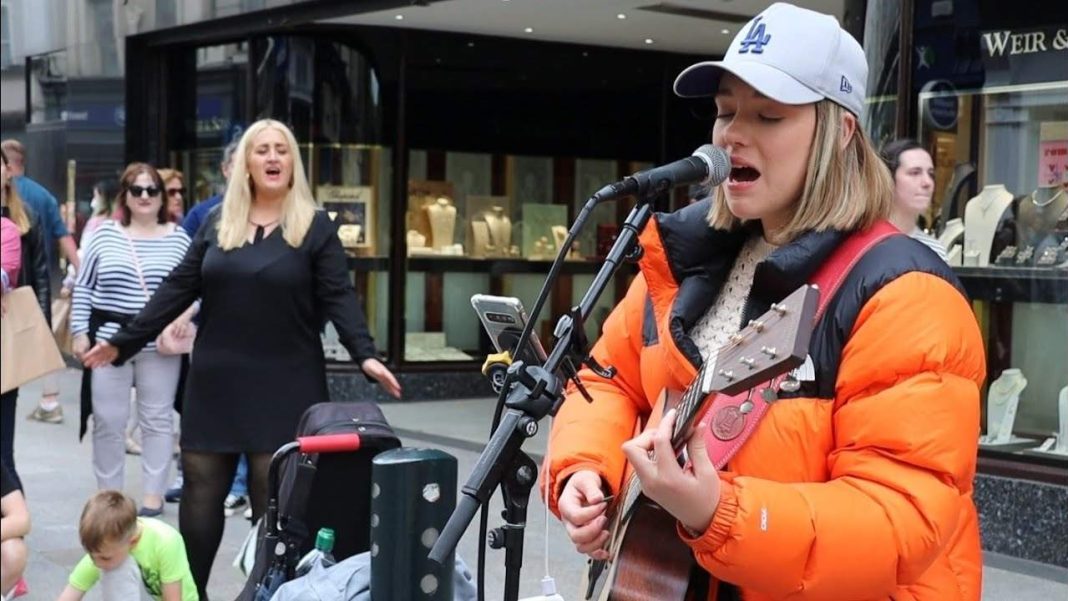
269	269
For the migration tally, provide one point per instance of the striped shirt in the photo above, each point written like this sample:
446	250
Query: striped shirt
108	278
929	242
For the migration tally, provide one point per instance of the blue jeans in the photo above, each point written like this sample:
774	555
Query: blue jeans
240	486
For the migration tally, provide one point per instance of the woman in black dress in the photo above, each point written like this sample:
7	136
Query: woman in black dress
269	270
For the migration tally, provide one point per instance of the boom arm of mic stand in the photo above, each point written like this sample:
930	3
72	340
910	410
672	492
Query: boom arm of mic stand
519	423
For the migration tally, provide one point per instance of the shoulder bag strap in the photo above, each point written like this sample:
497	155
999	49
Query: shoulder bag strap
136	262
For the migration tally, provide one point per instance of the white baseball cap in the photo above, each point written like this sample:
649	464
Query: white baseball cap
789	54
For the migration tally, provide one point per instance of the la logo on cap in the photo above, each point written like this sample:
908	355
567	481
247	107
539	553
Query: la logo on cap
755	40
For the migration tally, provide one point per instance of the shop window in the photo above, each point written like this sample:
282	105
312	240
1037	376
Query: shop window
492	223
882	26
1001	210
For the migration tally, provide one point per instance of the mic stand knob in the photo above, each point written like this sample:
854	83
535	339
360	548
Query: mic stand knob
635	254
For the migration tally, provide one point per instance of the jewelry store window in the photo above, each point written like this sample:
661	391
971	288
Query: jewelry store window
1001	210
492	223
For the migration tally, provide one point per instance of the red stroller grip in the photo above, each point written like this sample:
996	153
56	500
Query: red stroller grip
329	443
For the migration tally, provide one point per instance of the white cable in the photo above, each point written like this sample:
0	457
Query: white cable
548	584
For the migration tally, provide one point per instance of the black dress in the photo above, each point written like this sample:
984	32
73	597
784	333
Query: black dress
258	361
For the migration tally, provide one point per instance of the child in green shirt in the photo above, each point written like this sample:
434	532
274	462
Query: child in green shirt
132	558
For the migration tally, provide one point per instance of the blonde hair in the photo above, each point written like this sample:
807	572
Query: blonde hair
845	189
298	208
167	175
15	207
109	516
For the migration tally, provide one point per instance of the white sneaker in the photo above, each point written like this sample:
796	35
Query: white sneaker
248	513
233	503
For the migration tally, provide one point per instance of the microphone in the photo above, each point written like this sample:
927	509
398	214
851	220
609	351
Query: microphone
708	165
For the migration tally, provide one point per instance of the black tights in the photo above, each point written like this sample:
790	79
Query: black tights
7	433
207	480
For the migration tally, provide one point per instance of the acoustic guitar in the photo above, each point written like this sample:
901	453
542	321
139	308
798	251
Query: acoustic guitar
647	560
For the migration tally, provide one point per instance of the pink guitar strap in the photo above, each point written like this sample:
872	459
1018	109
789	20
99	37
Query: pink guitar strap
727	426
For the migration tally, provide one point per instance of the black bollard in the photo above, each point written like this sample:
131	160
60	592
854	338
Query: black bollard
413	493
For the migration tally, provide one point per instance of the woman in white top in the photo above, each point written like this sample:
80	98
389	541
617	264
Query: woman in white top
125	261
913	172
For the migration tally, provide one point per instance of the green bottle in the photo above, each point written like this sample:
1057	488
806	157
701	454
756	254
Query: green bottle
322	553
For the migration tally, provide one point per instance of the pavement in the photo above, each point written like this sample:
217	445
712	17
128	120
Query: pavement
57	473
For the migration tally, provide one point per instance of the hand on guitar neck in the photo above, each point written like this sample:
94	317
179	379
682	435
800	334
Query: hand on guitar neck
690	492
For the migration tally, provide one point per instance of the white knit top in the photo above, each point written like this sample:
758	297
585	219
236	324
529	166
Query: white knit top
724	318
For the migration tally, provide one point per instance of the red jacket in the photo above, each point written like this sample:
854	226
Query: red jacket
858	487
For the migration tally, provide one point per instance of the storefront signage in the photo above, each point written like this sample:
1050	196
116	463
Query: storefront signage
1023	56
998	43
94	115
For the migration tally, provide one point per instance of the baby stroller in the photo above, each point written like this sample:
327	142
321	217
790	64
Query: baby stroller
323	479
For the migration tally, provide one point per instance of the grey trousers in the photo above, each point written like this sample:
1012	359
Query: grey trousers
124	583
156	379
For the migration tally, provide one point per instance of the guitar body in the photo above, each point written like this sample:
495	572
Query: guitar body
649	560
652	561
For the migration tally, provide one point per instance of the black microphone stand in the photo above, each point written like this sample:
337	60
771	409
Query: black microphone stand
532	393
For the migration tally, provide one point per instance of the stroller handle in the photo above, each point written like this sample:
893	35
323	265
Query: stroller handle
329	443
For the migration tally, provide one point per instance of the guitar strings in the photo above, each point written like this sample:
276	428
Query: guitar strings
693	392
632	488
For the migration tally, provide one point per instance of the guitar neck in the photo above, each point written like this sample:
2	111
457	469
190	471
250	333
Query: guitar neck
692	400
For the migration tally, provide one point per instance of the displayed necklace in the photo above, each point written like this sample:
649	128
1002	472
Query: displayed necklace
1048	201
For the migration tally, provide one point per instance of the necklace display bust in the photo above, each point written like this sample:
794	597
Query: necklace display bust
982	215
500	229
442	217
1001	402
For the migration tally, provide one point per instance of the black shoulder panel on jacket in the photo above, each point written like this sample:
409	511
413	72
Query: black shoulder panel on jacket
884	263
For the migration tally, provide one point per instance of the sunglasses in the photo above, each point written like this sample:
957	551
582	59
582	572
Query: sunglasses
140	191
175	191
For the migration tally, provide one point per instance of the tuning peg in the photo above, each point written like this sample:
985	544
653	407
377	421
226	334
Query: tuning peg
756	325
750	363
790	383
769	351
780	309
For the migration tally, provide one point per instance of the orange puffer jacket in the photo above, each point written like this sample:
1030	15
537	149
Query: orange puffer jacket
860	485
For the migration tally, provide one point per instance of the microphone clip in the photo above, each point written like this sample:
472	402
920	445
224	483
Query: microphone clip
570	332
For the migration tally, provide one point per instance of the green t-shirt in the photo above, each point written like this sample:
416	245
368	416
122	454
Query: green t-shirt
160	553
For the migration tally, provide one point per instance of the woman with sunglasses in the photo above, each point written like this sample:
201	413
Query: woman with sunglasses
174	188
124	263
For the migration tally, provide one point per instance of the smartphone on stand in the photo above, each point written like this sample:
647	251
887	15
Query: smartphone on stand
504	318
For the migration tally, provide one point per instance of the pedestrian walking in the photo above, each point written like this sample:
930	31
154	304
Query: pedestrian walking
33	272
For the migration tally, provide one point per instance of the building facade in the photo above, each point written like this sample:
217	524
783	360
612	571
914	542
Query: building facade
508	116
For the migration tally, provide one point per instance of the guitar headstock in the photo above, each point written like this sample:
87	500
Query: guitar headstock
770	345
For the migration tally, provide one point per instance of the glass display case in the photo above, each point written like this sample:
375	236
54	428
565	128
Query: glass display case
1001	210
492	223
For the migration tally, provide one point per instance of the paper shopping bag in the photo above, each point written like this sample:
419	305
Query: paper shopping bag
27	348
